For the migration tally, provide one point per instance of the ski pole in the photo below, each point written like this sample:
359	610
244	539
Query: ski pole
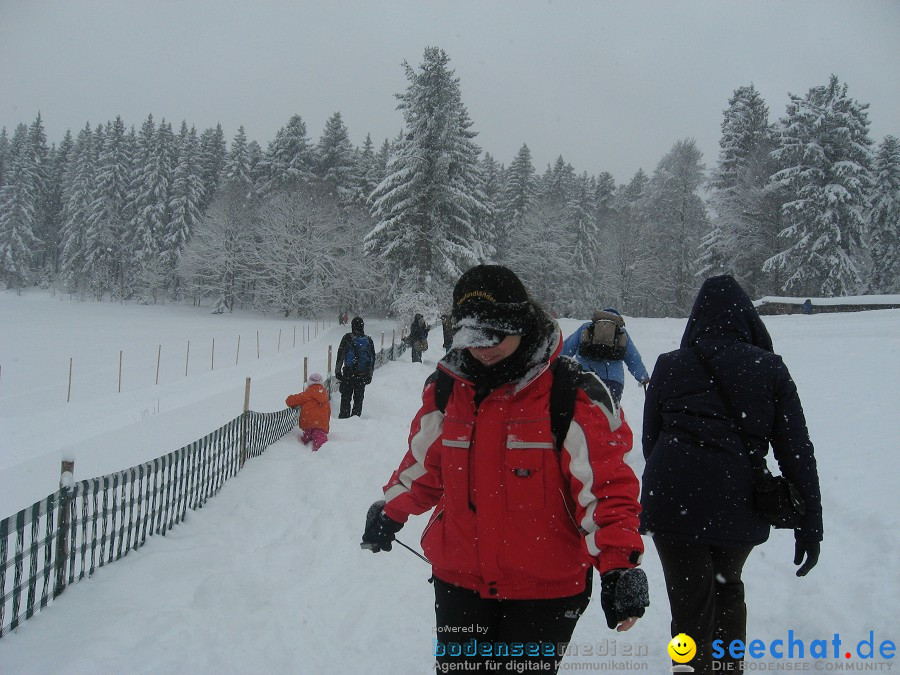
367	546
412	550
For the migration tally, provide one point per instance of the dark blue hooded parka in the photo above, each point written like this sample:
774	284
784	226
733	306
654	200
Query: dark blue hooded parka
698	481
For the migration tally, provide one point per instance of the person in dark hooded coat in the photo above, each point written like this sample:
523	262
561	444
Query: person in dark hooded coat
697	485
418	337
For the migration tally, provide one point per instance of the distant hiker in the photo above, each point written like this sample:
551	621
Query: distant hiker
607	356
353	367
447	328
723	395
520	518
807	306
418	337
315	411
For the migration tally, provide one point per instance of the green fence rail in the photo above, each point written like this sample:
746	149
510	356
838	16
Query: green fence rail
68	535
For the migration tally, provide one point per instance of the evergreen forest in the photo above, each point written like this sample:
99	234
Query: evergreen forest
801	204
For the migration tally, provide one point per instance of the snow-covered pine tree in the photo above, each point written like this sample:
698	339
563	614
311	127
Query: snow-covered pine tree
884	219
368	174
492	181
336	164
747	214
237	169
587	248
4	155
824	145
213	152
679	218
107	254
290	161
628	264
520	193
46	222
78	196
59	165
18	206
427	206
148	204
215	261
184	202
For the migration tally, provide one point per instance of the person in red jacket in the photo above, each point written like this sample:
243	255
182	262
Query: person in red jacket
517	523
315	411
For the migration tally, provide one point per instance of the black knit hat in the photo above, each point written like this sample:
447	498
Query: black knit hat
357	325
489	303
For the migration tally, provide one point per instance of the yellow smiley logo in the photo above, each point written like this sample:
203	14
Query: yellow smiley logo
682	648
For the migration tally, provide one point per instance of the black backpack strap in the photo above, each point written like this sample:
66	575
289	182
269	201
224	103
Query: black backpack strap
568	378
443	387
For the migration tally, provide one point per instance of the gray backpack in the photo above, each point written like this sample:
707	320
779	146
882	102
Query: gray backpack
605	338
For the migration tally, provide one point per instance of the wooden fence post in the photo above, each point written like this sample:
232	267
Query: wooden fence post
63	524
278	349
237	354
158	356
69	393
305	368
120	371
187	358
244	421
212	358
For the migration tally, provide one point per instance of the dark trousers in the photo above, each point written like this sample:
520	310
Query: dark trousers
706	597
616	389
468	626
351	392
416	355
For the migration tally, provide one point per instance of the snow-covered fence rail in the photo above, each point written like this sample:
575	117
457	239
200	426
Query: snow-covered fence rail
88	524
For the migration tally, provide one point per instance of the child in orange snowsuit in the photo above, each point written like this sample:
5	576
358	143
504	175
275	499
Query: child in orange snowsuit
315	411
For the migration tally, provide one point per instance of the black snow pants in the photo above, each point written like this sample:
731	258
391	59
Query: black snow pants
706	597
496	626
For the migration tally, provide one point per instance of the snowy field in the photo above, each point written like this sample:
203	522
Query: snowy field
269	576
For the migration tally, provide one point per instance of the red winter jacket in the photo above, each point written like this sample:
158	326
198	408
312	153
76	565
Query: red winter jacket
514	517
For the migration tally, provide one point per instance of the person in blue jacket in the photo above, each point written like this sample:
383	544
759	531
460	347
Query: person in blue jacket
611	371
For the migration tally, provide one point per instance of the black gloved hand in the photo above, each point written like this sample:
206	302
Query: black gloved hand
380	529
808	549
337	375
623	594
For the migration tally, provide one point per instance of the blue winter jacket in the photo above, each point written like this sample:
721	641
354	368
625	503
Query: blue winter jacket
606	369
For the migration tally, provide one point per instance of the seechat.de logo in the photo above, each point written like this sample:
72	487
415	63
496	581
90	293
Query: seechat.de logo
682	649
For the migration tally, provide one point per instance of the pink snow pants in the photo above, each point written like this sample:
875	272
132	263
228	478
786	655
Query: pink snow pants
317	436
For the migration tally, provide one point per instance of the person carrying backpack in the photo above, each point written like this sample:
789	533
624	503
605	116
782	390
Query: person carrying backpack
418	337
519	517
604	346
353	367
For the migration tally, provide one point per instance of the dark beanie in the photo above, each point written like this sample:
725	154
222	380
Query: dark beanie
357	325
489	303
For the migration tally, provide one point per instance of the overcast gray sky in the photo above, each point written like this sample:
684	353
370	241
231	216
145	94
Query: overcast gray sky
610	85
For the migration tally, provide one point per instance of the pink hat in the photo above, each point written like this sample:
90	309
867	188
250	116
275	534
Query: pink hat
315	378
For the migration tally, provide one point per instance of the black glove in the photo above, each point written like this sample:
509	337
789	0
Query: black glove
380	529
337	375
623	594
809	549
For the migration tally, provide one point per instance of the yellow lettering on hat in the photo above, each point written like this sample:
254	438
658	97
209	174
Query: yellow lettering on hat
482	295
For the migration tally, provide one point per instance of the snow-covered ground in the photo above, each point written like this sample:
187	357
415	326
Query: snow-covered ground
269	576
